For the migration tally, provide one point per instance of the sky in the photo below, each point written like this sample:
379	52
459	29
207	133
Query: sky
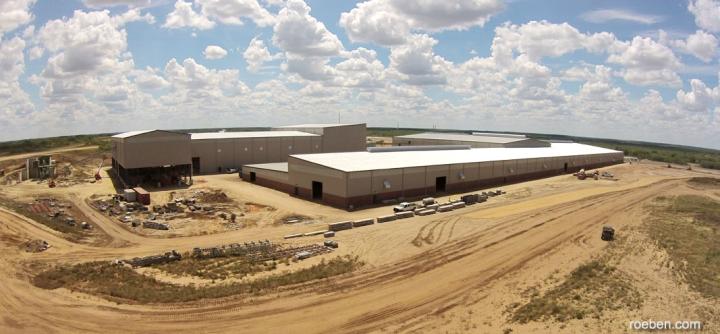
634	70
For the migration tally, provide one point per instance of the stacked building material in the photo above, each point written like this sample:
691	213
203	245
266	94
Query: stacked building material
363	222
346	225
426	212
403	215
389	218
445	208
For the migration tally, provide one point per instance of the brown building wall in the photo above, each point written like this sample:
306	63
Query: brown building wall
152	149
346	138
400	141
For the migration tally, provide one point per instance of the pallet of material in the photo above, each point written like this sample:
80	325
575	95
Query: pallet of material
290	236
458	205
445	208
363	222
432	207
346	225
385	219
309	234
403	215
470	199
426	212
329	234
157	226
482	198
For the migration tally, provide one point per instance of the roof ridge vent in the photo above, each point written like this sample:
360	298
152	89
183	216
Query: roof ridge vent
418	148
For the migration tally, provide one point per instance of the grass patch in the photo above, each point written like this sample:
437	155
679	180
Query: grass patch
686	227
123	284
710	182
588	291
217	268
44	144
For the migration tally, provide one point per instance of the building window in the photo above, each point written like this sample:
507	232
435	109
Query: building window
246	149
386	184
260	148
461	175
290	147
219	150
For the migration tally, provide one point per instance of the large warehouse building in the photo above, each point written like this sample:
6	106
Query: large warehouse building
154	156
354	179
476	140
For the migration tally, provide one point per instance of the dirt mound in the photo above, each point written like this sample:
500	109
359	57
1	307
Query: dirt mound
36	246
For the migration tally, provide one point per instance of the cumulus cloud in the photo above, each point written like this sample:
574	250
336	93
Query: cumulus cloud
233	11
707	14
256	55
214	52
14	13
389	22
648	62
606	15
297	32
417	64
700	44
114	3
185	16
700	98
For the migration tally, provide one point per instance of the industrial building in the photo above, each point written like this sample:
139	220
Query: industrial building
475	140
165	157
351	180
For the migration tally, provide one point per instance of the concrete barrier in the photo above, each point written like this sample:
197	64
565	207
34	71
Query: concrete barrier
385	219
346	225
290	236
309	234
445	208
329	234
426	212
458	205
363	222
432	207
403	215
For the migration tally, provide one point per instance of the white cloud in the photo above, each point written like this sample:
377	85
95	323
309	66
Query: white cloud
417	64
707	14
256	55
297	32
113	3
647	62
185	16
214	52
14	13
389	22
702	45
606	15
700	98
232	11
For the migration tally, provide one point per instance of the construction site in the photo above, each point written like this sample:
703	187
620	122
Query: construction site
304	228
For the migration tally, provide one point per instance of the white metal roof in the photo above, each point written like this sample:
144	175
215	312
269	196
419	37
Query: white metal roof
131	133
463	137
274	166
363	161
319	125
249	134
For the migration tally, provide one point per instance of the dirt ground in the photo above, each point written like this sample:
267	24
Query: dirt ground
445	273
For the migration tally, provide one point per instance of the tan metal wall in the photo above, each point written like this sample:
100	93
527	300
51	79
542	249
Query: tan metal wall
346	138
152	149
397	141
236	152
303	173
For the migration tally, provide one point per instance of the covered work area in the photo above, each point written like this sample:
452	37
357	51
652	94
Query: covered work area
151	157
354	179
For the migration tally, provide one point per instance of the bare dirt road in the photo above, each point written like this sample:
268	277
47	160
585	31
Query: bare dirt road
453	272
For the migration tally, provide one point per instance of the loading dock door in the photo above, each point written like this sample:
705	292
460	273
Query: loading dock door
565	168
196	165
252	176
440	183
317	190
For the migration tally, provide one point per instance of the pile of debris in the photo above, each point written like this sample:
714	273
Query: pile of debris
260	250
36	246
56	211
153	259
